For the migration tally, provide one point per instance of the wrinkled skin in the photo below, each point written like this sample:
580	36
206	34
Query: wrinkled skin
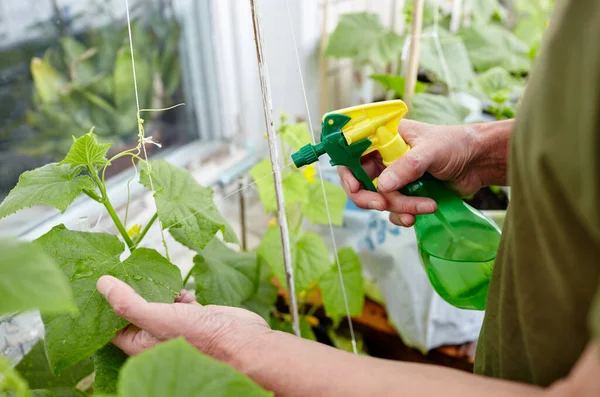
449	153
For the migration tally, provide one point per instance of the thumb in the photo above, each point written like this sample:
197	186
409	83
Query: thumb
156	318
408	168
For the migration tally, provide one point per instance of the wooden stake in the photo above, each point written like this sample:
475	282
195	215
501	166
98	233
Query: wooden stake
412	70
275	165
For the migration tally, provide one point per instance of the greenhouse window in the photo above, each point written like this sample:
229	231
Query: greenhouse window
65	68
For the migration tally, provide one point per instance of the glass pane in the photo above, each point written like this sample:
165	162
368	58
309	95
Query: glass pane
65	67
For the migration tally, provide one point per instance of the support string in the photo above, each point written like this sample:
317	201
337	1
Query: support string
312	132
141	134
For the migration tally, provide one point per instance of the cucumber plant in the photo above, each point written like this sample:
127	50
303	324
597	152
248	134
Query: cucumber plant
315	269
58	272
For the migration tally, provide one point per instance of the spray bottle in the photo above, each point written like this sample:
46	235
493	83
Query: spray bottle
457	244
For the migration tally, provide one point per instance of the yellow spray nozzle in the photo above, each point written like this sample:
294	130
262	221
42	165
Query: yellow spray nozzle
378	122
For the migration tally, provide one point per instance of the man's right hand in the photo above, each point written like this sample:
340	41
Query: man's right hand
462	155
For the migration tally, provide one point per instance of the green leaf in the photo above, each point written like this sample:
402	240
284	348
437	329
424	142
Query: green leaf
453	51
310	258
43	393
314	208
124	93
30	279
87	151
107	364
492	45
285	325
437	109
185	207
497	80
36	371
396	83
295	135
184	372
53	185
362	36
331	287
77	57
50	84
11	383
84	258
484	10
224	276
264	296
344	342
295	186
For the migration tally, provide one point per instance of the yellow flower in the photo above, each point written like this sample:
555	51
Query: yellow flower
134	231
312	320
309	173
272	222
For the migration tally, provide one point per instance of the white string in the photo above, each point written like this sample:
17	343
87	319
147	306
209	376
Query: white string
312	132
142	140
137	97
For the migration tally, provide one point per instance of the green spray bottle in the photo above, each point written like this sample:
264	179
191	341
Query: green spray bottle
457	244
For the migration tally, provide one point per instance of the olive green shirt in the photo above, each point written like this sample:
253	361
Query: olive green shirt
538	317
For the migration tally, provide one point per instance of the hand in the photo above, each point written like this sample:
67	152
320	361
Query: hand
446	152
218	331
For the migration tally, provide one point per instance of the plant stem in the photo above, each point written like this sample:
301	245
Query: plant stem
185	280
148	226
93	195
110	209
118	224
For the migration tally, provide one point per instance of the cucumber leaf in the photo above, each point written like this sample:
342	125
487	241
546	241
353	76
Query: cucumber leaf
315	209
52	185
363	36
34	368
84	258
87	151
184	371
437	109
185	207
107	364
295	186
224	276
331	287
30	279
310	258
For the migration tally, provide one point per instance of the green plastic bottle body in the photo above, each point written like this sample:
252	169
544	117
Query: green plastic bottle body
457	245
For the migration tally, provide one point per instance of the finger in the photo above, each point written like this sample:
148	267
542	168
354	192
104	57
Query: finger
186	296
160	319
406	169
367	199
404	220
411	130
349	182
133	340
401	204
372	166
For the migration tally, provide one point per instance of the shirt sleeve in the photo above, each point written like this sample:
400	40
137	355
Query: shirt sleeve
594	318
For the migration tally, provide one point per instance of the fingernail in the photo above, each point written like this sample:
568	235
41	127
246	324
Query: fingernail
406	220
375	205
104	285
388	180
425	208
